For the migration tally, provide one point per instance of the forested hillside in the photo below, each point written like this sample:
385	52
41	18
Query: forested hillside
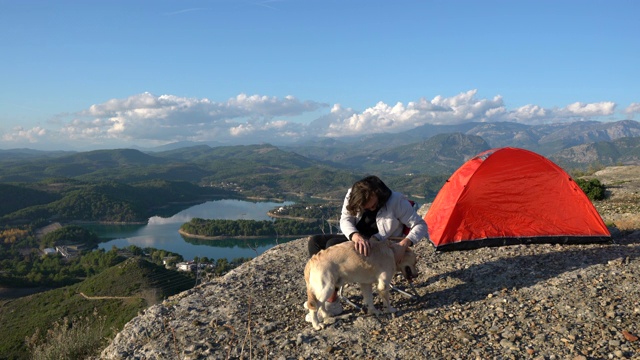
110	201
99	305
250	228
16	197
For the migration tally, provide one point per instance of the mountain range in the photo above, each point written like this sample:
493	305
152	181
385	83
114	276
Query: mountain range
312	167
545	139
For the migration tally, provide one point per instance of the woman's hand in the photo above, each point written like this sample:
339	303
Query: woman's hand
361	244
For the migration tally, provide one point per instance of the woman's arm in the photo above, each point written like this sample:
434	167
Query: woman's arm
348	227
347	221
408	216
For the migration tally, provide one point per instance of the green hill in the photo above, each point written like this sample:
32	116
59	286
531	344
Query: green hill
229	161
242	169
108	201
15	197
124	165
104	302
78	164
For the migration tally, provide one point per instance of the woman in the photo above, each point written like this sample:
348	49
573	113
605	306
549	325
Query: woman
371	211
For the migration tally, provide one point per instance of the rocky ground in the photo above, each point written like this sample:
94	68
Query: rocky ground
515	302
622	206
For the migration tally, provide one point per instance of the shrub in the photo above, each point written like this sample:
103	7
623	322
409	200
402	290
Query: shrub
593	188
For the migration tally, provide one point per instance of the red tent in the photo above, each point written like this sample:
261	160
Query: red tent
510	196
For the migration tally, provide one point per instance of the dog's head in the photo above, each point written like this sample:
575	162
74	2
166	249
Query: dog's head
408	265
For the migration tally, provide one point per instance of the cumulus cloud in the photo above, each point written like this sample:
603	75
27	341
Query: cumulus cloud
529	113
458	109
462	108
632	109
146	119
172	118
20	134
593	109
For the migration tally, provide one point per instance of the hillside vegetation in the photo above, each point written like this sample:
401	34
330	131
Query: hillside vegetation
107	300
252	228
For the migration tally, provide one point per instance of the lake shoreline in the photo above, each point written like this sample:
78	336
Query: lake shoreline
163	233
226	237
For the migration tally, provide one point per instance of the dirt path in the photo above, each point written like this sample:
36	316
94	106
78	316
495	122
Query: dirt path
105	297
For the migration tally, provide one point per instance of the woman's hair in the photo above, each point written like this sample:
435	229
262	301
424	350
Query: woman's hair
362	190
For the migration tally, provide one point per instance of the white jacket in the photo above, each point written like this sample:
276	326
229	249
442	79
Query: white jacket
391	219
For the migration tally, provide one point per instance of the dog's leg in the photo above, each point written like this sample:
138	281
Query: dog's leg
322	307
367	298
384	289
314	305
315	321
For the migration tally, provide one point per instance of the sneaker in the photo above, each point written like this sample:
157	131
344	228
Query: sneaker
333	308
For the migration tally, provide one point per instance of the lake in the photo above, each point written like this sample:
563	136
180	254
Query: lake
162	233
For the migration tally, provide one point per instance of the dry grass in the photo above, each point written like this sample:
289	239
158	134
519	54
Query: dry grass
621	208
69	339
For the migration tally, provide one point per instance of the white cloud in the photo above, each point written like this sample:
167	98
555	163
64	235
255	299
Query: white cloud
593	109
528	114
171	118
242	129
20	134
458	109
148	120
462	108
632	109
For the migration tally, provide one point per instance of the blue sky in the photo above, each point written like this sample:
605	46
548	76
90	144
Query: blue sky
79	75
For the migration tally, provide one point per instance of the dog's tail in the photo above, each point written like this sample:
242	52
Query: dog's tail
312	301
320	289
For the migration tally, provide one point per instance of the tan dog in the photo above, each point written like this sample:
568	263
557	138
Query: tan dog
340	264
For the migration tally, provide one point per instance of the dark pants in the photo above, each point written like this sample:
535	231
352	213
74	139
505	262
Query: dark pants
323	241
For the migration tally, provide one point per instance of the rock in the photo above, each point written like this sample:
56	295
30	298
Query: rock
463	336
629	336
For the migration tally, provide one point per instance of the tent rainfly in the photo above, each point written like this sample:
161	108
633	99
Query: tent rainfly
509	196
